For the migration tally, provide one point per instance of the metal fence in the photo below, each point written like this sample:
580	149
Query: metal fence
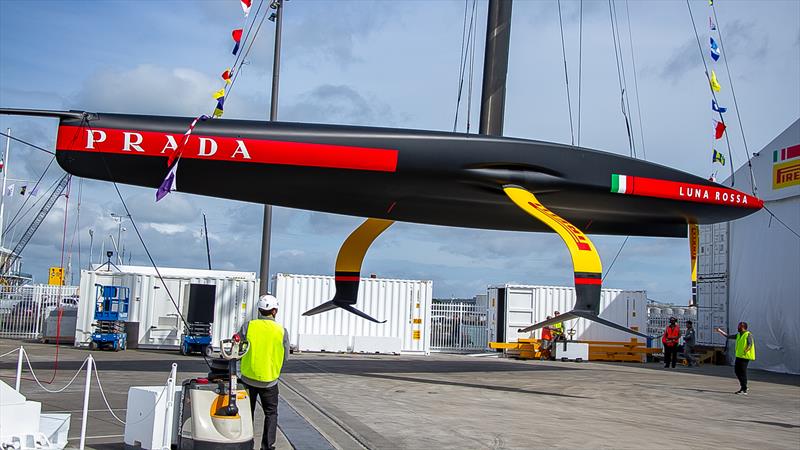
458	327
24	309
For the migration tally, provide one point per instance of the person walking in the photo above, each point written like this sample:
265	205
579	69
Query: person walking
262	364
688	344
745	352
670	340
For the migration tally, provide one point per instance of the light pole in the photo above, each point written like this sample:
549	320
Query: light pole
91	247
266	234
119	218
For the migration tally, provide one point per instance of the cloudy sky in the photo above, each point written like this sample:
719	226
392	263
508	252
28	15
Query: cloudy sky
386	64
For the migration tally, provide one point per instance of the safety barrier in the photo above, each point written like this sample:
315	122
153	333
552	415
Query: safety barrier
458	328
91	366
24	309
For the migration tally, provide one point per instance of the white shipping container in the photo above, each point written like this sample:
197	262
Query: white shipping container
153	320
404	304
713	254
517	306
712	304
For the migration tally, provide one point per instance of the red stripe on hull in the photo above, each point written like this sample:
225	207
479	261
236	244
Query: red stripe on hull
675	190
223	148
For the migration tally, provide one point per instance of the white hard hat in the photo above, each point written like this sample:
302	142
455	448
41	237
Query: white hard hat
267	302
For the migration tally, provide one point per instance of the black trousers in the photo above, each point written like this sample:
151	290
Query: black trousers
670	355
740	369
269	403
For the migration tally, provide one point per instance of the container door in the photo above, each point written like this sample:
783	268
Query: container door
165	326
520	312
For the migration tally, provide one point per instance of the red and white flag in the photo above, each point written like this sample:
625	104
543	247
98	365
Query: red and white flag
246	6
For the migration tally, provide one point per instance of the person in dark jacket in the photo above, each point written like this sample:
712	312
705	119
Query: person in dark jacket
688	344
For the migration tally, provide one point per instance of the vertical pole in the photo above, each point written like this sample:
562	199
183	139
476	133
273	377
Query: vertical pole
495	67
86	386
170	410
3	192
208	250
266	234
19	369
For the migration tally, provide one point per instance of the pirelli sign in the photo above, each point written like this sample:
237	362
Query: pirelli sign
786	167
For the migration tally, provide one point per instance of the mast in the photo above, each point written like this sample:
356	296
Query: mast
495	67
266	234
3	192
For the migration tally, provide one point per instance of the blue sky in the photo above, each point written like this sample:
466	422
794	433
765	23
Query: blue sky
387	64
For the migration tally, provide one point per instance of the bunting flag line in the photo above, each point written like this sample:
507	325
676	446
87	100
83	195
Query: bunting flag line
219	109
23	189
246	6
2	163
219	94
35	191
711	25
176	153
169	184
717	108
714	50
719	129
237	39
718	157
227	76
710	2
10	190
714	83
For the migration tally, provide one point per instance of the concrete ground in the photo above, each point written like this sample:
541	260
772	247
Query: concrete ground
451	401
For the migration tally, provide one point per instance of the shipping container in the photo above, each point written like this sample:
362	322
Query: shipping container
404	304
712	305
153	319
712	258
517	306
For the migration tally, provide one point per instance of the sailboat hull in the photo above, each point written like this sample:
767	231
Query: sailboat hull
404	175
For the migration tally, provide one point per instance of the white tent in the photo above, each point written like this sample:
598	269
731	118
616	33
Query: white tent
764	256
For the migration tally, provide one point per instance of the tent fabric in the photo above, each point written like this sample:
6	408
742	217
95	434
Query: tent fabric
764	271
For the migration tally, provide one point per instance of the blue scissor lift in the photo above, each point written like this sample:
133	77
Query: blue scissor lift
110	313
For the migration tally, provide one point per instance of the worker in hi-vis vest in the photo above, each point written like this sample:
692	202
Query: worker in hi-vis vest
261	365
745	352
557	329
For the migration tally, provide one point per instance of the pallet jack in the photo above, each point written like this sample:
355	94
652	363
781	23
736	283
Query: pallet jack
110	313
209	416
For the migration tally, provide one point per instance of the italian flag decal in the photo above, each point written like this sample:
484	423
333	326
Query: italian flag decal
619	184
675	190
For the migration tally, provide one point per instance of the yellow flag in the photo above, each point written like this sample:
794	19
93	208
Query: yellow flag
714	83
220	93
217	112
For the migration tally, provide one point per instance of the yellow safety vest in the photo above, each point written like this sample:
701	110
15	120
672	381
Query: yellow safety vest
741	345
264	360
558	328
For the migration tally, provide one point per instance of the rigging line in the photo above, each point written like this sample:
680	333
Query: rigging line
244	52
754	189
17	220
778	219
566	72
28	143
34	186
474	25
111	177
461	61
580	69
75	233
620	75
615	258
627	98
246	35
713	94
636	83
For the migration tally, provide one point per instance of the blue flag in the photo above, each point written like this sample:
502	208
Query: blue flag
714	50
717	108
